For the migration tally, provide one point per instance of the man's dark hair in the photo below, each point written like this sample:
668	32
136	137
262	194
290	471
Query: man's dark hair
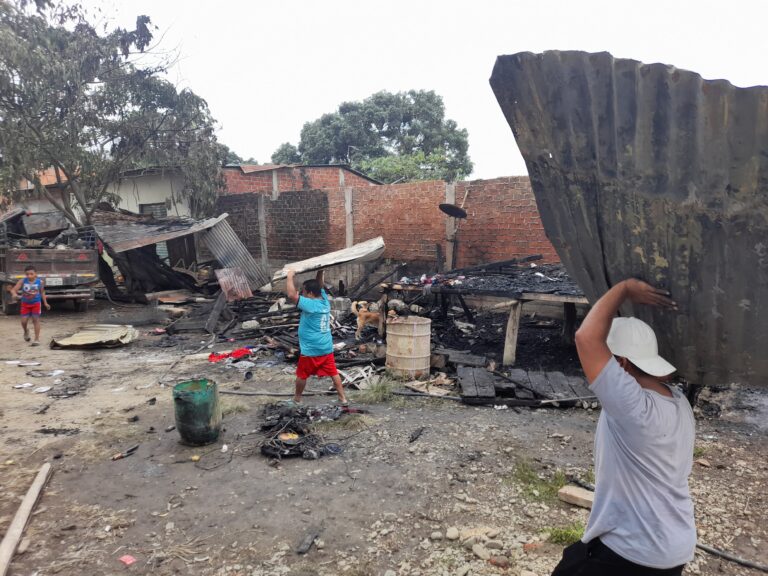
30	268
313	287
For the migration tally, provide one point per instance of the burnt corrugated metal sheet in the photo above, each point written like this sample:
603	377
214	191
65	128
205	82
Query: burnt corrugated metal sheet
234	284
231	253
122	235
651	171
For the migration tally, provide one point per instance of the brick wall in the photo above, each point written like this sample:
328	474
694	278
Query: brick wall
291	178
406	215
297	225
296	222
503	220
243	210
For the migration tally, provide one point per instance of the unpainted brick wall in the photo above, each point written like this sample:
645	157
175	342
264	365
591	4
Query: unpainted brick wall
297	225
243	210
291	179
503	221
406	215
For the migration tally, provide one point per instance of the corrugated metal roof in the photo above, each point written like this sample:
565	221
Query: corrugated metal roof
231	253
649	171
132	234
234	284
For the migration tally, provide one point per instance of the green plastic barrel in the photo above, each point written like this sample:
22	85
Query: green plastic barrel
198	414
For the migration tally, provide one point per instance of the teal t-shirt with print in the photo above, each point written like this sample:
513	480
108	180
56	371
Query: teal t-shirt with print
315	326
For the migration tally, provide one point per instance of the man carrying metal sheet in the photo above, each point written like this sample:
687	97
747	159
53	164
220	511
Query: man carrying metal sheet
642	518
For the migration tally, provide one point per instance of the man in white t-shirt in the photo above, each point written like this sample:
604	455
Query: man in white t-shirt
642	519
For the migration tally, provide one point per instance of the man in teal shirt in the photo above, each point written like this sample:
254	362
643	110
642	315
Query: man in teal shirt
315	338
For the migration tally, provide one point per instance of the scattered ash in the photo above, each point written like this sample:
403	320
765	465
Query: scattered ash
543	279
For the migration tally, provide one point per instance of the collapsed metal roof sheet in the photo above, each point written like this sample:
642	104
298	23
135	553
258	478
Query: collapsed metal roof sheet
230	252
135	233
646	170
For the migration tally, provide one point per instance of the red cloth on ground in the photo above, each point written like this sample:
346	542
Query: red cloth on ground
236	354
316	366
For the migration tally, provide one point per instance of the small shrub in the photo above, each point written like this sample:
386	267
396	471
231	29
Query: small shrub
534	486
566	535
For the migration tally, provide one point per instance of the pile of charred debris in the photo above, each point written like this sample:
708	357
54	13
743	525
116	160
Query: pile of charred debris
262	330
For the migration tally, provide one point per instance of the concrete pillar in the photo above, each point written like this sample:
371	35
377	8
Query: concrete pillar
275	185
348	218
260	203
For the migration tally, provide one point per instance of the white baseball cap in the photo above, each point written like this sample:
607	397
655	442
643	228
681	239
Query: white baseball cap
633	339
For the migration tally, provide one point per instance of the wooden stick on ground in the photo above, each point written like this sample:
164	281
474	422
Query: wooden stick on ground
16	529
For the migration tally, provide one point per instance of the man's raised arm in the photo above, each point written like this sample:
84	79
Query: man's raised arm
591	337
290	287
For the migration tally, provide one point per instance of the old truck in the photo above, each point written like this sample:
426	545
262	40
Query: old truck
68	274
68	263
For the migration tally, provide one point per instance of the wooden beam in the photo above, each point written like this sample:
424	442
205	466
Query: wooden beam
19	522
467	311
450	227
569	322
554	298
513	327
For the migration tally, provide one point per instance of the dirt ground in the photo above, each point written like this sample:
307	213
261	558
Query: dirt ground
386	506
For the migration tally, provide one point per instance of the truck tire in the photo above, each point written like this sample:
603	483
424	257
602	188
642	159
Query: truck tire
81	305
10	308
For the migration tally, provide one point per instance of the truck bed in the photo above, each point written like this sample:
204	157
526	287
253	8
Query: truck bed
63	269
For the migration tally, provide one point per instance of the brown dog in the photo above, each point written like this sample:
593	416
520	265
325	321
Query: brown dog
364	316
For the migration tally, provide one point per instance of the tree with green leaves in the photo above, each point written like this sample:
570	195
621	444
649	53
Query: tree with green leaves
286	153
90	104
394	137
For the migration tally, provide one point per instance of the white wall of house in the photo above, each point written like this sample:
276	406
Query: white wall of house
152	189
133	192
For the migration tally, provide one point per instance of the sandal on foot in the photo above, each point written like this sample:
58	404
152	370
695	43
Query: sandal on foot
36	343
27	337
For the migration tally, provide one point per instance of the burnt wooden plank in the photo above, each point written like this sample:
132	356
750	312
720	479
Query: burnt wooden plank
485	383
540	384
579	386
466	381
461	358
476	382
522	383
561	387
218	308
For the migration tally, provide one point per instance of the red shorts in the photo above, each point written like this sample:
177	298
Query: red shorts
316	366
30	309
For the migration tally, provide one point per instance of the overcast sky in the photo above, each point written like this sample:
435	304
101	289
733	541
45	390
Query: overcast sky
266	67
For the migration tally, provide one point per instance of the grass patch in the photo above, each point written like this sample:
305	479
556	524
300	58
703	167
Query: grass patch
566	535
590	476
534	486
699	451
378	392
230	407
349	423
